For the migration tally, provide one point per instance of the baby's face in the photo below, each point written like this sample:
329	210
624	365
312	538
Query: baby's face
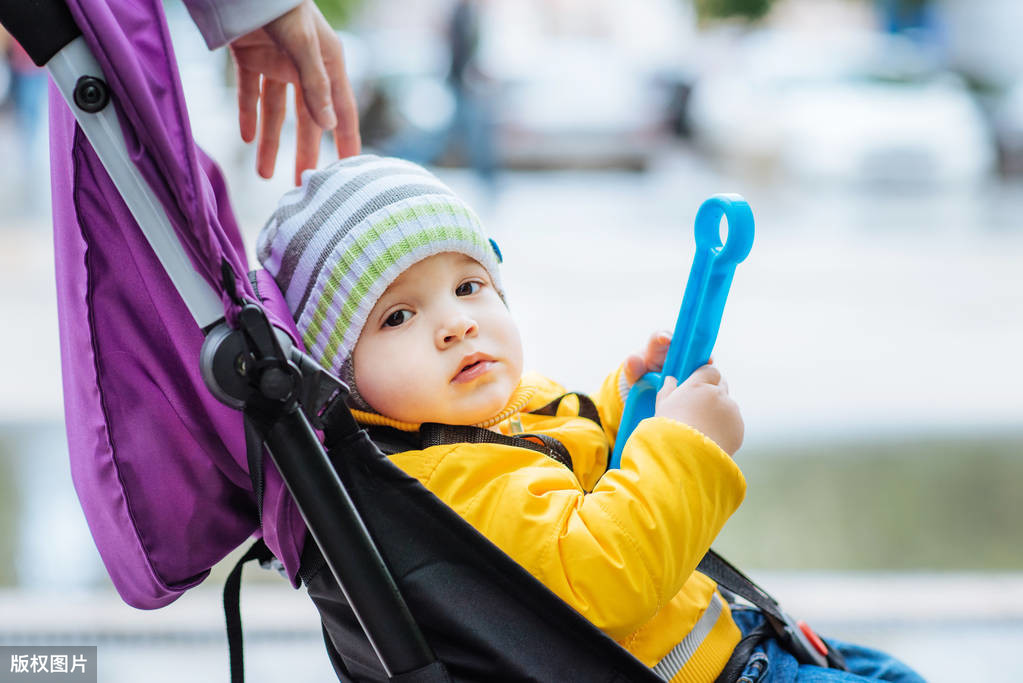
439	346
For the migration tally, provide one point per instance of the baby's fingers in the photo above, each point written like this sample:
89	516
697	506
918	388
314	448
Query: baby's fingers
705	374
635	368
670	384
657	350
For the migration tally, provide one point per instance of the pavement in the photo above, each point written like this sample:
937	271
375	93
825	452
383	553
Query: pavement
950	628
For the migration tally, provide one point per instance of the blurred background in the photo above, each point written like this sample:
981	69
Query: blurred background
872	338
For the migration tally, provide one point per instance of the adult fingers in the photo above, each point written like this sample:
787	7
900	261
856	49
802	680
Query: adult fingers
307	139
248	99
298	33
272	107
346	132
316	87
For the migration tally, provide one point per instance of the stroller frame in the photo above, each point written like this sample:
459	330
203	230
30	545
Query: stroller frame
266	390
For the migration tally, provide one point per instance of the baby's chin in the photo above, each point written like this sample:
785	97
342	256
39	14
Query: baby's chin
479	410
479	405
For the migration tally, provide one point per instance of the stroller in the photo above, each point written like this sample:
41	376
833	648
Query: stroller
165	333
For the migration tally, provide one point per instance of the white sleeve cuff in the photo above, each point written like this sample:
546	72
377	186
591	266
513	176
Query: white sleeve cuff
221	21
624	385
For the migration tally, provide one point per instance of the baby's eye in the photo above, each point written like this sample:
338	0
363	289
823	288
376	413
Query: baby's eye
398	317
467	288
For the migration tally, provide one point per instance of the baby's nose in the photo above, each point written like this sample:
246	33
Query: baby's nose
457	329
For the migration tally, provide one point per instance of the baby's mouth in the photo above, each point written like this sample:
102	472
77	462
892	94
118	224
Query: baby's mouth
472	370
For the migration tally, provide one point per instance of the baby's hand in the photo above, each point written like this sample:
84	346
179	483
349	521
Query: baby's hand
702	402
650	359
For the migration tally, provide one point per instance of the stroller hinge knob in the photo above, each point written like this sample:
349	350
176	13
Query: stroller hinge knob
91	94
276	384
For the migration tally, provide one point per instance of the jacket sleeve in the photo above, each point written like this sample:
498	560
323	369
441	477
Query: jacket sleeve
617	554
221	21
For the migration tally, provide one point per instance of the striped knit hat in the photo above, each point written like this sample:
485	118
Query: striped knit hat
337	242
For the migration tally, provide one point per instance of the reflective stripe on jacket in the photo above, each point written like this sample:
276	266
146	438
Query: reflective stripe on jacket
620	546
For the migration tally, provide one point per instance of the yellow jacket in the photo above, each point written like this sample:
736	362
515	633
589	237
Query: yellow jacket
620	546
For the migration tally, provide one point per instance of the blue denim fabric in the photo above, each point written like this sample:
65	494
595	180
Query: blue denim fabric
771	663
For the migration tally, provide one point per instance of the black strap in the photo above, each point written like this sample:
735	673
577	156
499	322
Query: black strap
587	408
232	607
391	440
725	574
742	652
254	454
434	434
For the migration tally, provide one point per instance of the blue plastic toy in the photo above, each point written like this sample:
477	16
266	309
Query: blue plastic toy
702	305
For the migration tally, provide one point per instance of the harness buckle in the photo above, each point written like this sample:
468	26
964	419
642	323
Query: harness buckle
802	642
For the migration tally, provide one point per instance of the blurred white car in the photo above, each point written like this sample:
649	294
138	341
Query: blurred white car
851	108
577	103
556	103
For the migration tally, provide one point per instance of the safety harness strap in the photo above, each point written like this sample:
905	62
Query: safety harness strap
391	440
587	408
725	574
433	434
232	607
796	636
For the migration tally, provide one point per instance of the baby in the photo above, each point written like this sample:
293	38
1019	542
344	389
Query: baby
396	288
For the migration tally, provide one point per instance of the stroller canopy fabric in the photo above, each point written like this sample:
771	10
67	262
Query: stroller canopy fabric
158	463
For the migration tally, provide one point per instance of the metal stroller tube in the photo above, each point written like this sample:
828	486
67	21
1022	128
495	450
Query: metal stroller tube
249	368
80	80
48	32
346	545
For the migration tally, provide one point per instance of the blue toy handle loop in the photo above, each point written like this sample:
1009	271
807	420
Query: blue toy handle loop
703	304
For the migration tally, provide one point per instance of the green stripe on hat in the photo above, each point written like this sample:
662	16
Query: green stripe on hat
390	257
358	248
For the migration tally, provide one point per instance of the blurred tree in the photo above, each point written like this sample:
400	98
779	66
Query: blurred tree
722	9
9	504
338	13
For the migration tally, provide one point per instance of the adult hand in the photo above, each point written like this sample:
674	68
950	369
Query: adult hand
702	402
298	47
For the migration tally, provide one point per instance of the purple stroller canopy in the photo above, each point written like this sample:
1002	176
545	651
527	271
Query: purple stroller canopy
158	463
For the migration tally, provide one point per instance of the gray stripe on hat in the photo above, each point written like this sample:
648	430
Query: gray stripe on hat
380	201
673	662
300	240
308	193
291	203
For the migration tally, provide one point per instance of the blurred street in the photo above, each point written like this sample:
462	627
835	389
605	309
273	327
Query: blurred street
896	316
890	312
877	318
